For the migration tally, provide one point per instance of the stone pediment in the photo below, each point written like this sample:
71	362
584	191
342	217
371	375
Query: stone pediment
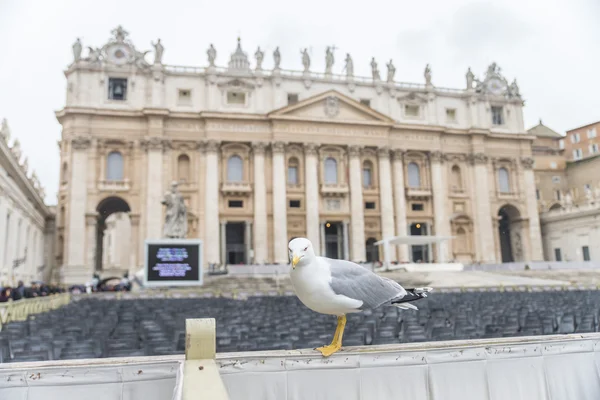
331	106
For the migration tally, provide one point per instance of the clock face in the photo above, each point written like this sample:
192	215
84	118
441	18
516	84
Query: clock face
118	54
495	86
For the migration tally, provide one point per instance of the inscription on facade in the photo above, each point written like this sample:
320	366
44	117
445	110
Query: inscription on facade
330	130
233	127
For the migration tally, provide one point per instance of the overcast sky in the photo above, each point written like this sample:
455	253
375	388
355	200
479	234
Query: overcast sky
550	46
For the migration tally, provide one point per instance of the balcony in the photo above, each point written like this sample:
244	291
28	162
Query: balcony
507	195
236	188
114	186
421	192
458	192
334	189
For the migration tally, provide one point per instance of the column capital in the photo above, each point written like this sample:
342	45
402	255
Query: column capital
311	149
478	158
383	152
81	143
278	147
258	148
91	218
134	218
211	146
153	143
398	154
354	150
527	162
436	156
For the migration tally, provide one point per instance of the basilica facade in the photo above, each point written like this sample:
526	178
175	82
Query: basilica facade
263	154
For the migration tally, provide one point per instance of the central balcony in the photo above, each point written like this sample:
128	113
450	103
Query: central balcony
236	188
420	192
334	189
114	186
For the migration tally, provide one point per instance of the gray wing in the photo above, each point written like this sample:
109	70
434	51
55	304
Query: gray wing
352	280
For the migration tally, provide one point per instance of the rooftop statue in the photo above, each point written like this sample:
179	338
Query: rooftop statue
259	55
375	70
349	66
305	60
77	50
427	75
329	60
391	72
158	52
470	79
212	55
5	130
276	58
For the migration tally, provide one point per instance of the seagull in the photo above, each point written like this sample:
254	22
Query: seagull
340	287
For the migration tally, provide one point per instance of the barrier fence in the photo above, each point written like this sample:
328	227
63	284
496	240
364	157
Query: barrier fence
21	309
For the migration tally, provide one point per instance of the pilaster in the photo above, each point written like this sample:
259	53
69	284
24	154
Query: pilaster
280	235
312	195
357	222
211	204
260	204
400	202
386	198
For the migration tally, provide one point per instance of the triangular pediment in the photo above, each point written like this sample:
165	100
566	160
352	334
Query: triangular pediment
331	106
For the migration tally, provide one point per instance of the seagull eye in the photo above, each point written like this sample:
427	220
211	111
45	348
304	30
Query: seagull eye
306	248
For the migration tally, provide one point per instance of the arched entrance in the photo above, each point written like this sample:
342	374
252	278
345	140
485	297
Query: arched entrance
372	250
509	234
113	232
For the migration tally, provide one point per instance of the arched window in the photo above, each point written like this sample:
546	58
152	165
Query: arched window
372	250
414	175
367	174
235	169
503	180
331	172
456	178
461	240
183	168
292	177
114	166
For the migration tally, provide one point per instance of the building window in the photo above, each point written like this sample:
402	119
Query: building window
294	203
235	169
117	89
293	171
236	98
414	175
183	168
372	250
367	174
235	204
114	166
557	255
365	102
556	179
417	207
450	114
292	98
591	133
497	115
593	148
185	96
587	187
575	138
456	178
537	194
586	253
503	180
561	144
370	205
331	173
577	154
553	165
411	110
557	195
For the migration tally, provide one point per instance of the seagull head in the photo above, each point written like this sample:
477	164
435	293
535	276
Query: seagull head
301	251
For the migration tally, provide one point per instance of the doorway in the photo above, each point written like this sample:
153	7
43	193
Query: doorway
334	240
235	244
420	252
113	233
509	233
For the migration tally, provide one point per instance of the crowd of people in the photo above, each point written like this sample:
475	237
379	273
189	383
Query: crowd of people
37	289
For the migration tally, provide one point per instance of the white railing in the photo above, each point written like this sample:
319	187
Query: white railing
114	186
21	309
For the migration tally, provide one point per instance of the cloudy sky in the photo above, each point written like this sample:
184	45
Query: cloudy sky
550	46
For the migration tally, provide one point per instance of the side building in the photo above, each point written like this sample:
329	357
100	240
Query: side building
568	193
263	155
26	223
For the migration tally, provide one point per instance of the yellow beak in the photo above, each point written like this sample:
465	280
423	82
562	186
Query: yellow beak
295	260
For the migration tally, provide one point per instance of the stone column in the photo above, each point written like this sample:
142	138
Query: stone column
223	242
211	205
346	241
248	241
483	213
154	191
385	193
322	243
135	244
91	228
280	235
535	236
312	195
400	203
357	221
440	197
75	256
260	204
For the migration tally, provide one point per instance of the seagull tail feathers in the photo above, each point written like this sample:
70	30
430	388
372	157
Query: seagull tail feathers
411	295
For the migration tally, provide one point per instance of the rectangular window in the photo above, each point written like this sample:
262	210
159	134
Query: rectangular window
294	203
236	204
561	144
557	255
236	98
553	165
184	96
117	89
577	154
537	194
450	114
292	175
557	194
497	115
417	206
370	205
556	179
292	98
586	253
593	148
591	133
575	138
365	102
411	110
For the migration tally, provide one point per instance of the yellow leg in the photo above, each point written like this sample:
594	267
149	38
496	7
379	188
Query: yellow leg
336	343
